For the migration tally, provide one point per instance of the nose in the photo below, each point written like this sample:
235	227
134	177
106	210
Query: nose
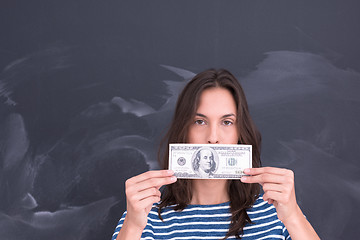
213	136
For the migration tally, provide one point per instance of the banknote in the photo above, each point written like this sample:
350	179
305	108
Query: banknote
215	161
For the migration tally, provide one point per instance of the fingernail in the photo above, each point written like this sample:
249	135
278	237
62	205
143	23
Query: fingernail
243	179
247	170
170	172
173	178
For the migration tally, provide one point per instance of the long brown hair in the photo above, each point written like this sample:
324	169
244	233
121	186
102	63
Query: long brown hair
242	196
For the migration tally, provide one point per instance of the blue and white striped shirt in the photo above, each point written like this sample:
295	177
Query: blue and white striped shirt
210	222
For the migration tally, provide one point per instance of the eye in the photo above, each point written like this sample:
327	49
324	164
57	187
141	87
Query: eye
200	122
228	122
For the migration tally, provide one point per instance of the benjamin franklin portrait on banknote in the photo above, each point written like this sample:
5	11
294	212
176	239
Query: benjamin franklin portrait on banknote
205	162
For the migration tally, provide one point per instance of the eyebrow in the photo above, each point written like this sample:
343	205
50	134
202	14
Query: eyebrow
224	116
229	115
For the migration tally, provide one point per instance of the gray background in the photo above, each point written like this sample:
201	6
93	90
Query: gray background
87	89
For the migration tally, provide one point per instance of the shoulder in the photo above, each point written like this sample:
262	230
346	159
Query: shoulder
154	212
262	209
264	214
264	220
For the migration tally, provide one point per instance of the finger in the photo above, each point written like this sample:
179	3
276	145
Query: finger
268	187
264	178
149	183
150	192
270	201
156	182
273	187
270	170
273	196
145	203
150	174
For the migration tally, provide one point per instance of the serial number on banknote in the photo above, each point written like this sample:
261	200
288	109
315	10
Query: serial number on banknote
209	161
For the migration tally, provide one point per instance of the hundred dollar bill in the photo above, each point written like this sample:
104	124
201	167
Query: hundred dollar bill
215	161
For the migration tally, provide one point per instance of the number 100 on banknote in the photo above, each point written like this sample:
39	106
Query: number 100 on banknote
209	161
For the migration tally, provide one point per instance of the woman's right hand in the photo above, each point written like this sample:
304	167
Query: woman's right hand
142	191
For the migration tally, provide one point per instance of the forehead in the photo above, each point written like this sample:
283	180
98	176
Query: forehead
205	152
216	101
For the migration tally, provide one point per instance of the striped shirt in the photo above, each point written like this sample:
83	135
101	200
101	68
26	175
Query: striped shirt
210	222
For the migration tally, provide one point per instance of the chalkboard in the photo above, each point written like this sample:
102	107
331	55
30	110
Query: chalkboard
87	90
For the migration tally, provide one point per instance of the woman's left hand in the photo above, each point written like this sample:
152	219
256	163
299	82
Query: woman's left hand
279	189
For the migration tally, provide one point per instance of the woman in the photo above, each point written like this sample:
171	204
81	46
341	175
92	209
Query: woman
212	109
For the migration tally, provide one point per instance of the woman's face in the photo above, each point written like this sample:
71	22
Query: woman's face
215	119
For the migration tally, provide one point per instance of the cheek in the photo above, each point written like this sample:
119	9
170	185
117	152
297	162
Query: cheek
195	136
231	136
190	135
